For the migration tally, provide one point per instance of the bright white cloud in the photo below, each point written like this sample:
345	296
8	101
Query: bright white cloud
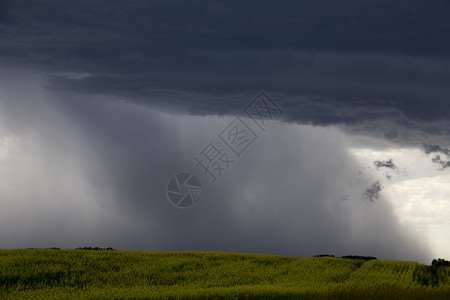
418	191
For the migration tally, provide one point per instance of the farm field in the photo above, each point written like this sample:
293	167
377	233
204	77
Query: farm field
83	274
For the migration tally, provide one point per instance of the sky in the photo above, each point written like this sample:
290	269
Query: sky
342	105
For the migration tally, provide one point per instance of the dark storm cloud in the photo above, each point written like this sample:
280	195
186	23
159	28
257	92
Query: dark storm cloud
173	26
377	67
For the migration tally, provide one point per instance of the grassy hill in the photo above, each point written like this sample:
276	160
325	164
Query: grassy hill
74	274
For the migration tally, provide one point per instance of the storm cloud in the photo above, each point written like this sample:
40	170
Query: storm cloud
377	67
99	171
102	102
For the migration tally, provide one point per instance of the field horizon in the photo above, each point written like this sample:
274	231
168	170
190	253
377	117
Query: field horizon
125	274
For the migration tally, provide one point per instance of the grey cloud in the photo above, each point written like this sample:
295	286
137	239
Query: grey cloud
372	193
435	149
437	160
428	149
385	164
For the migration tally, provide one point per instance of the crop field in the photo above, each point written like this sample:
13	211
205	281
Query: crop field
82	274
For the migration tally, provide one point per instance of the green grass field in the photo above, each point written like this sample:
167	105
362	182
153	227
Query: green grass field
75	274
